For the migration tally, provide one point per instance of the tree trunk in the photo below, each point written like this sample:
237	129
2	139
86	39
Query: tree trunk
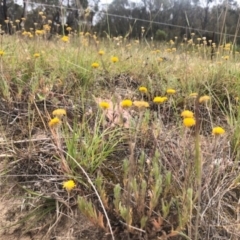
5	9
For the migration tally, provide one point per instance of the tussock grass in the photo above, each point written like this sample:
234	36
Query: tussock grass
138	172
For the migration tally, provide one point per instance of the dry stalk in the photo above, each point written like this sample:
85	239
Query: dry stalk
223	24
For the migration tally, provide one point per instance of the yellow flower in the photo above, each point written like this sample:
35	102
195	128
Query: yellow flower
193	95
218	131
95	65
171	91
114	59
1	53
159	100
143	89
204	99
65	39
39	32
225	57
227	45
54	122
69	185
69	29
25	33
126	103
101	52
104	105
189	122
141	104
46	27
187	114
36	55
59	113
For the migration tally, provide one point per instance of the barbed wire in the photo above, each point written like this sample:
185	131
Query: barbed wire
132	18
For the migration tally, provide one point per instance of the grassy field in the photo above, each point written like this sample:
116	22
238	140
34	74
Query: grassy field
118	139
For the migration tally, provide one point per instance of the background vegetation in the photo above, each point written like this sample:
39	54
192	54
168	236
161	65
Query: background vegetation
125	18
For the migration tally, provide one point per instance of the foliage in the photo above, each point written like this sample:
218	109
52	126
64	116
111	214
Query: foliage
161	35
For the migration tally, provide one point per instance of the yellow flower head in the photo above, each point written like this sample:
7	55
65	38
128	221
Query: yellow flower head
187	114
126	103
68	29
218	131
25	33
39	32
87	34
69	185
101	52
104	105
54	122
59	113
46	27
159	100
36	55
141	104
1	53
143	89
114	59
171	91
65	39
204	99
189	122
193	95
95	65
225	57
